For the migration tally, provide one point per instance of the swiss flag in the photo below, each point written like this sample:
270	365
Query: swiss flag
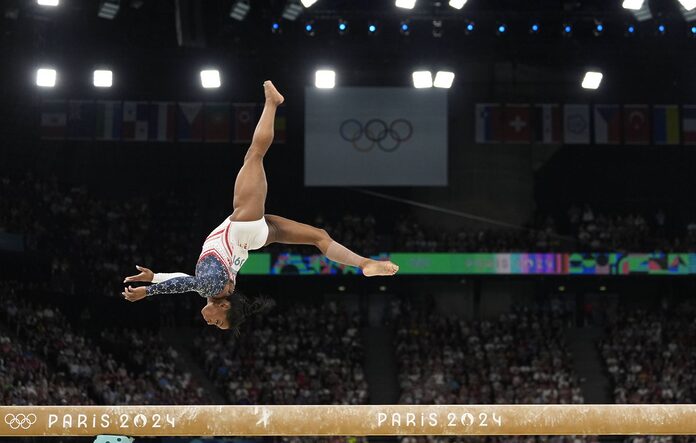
516	123
636	124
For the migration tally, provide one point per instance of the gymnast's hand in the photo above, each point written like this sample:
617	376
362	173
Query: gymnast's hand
145	275
135	294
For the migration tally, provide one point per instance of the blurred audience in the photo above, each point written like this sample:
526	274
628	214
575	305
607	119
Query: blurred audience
302	355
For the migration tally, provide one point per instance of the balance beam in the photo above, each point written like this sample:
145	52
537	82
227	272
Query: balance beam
366	420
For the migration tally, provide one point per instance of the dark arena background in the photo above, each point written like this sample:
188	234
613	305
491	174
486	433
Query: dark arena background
528	165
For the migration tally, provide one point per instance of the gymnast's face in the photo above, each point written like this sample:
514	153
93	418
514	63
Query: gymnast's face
215	312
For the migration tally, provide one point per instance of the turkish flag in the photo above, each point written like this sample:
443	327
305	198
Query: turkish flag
517	124
636	124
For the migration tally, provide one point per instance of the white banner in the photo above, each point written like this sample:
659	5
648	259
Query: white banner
375	137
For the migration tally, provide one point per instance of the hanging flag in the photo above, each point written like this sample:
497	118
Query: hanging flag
576	124
244	121
517	127
162	122
136	120
689	124
81	118
190	122
217	122
489	123
607	124
53	119
547	124
280	126
666	124
636	124
109	124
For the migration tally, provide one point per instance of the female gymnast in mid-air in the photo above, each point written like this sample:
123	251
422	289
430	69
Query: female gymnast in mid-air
248	228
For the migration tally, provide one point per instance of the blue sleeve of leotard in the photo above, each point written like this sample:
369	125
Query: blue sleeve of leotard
175	285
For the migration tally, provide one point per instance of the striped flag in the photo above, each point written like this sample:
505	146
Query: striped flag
666	124
636	124
516	119
244	121
81	118
489	123
576	124
162	122
54	119
135	121
109	124
607	124
547	124
689	124
217	122
190	122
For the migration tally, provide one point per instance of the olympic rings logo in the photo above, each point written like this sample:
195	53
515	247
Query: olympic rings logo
388	138
20	420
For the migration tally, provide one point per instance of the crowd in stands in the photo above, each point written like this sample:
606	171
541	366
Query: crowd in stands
519	358
298	355
649	354
79	229
73	367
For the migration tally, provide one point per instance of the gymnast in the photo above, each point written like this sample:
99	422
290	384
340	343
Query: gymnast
227	247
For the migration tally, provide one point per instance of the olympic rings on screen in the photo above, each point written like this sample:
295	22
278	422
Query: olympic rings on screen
23	421
388	138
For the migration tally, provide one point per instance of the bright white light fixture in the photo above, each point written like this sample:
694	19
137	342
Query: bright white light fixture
103	78
457	4
423	79
308	3
688	4
592	80
444	79
406	4
46	78
210	78
325	79
633	4
48	2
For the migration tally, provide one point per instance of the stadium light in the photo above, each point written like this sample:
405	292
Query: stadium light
308	3
444	79
457	4
46	78
210	78
240	9
405	4
292	10
325	79
342	27
633	4
422	79
108	9
639	8
48	2
592	80
688	4
103	78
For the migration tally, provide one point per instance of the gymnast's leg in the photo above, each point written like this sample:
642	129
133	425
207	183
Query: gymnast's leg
250	187
283	230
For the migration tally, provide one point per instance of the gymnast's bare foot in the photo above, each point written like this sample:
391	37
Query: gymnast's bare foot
371	268
272	94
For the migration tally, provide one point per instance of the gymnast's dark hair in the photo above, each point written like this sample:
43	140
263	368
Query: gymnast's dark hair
243	307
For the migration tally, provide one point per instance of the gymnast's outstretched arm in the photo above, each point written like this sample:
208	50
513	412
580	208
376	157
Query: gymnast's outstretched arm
164	283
